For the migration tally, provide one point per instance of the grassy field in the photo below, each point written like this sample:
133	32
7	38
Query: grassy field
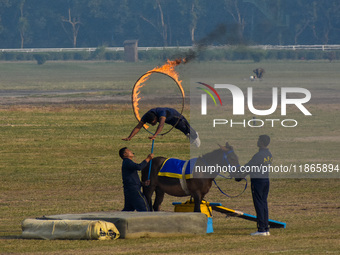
59	154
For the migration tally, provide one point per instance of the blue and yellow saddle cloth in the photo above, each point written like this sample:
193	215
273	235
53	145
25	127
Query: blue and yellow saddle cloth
173	168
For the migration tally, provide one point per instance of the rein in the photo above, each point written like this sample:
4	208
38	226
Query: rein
245	187
225	157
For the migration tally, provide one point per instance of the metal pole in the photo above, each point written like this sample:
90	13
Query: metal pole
153	142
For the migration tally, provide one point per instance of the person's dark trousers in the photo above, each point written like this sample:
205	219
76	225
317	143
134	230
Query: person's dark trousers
260	190
184	126
135	200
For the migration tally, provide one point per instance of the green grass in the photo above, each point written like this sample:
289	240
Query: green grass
63	158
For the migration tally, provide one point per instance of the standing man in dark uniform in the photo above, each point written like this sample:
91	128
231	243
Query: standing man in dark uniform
133	197
169	116
260	183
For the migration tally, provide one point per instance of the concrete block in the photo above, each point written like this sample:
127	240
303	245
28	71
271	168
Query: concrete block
141	224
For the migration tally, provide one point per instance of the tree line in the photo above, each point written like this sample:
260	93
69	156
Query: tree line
95	23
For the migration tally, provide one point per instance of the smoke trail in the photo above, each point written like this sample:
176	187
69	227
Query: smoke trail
223	34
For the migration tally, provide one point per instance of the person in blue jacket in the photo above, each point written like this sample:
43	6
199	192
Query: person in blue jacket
134	199
259	177
169	116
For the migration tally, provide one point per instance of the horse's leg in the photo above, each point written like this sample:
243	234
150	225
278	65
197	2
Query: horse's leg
158	199
148	191
197	200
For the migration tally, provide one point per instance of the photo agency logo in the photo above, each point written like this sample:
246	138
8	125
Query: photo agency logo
238	105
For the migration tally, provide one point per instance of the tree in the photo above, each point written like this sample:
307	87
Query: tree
23	24
189	14
232	7
305	19
160	24
94	23
327	17
194	10
75	25
4	4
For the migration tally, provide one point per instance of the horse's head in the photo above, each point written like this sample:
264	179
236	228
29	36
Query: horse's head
229	155
226	148
220	160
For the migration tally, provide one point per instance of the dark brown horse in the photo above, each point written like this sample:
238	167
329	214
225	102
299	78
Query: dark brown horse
196	187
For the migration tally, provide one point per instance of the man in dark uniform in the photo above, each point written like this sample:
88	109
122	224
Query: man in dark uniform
260	183
133	197
169	116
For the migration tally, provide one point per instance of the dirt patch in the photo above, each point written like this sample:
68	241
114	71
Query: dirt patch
25	97
79	97
318	139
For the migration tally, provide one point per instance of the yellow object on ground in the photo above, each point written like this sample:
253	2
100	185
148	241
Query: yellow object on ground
69	229
189	205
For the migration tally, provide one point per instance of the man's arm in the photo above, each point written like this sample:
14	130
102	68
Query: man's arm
256	160
159	128
134	131
147	160
240	175
144	162
132	166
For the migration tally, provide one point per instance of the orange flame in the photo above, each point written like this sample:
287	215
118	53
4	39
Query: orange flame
168	69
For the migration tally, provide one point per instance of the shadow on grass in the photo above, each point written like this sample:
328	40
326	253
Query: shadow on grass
14	237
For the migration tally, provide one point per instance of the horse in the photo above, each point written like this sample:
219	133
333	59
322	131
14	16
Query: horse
197	186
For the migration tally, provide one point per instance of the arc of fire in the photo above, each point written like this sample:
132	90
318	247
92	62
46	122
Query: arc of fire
167	69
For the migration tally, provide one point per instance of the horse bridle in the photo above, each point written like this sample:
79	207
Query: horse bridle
225	157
